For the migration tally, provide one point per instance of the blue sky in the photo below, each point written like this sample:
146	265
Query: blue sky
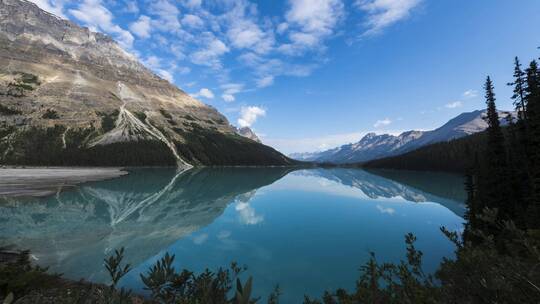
308	75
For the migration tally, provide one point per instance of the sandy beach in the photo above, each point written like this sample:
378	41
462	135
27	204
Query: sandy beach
37	182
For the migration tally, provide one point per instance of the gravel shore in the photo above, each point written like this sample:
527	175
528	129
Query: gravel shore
37	182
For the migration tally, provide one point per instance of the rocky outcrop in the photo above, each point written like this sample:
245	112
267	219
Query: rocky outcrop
248	133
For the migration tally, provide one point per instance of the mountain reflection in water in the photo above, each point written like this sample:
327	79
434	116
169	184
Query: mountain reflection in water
151	210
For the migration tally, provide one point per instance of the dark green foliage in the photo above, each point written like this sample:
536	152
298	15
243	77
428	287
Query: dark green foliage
116	271
454	156
532	142
141	116
29	78
19	277
213	148
388	283
168	116
480	273
113	264
45	147
169	286
165	114
8	111
497	175
21	85
519	89
108	121
6	131
35	146
500	267
50	114
273	298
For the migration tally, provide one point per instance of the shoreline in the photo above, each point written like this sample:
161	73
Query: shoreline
45	181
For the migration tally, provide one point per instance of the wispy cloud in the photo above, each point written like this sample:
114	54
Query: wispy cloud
309	22
453	105
386	210
384	13
51	6
469	94
209	36
96	16
382	123
311	144
142	27
204	92
230	90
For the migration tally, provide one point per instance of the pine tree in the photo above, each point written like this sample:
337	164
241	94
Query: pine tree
473	204
533	140
497	179
519	89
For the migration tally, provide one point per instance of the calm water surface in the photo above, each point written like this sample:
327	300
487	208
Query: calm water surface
308	230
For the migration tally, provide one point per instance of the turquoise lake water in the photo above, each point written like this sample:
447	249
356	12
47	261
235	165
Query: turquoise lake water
306	230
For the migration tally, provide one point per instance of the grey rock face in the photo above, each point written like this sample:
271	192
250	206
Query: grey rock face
248	133
50	64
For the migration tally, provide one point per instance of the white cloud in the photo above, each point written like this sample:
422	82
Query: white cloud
204	92
200	239
265	81
231	89
247	214
383	13
152	62
55	7
267	69
313	20
192	3
228	97
167	13
311	144
282	27
183	70
97	16
166	75
210	53
382	123
249	115
192	21
131	7
388	210
141	27
224	234
453	105
470	94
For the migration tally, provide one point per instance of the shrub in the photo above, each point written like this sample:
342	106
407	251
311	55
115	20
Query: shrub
50	114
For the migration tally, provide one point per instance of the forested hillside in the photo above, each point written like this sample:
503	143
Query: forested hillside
453	156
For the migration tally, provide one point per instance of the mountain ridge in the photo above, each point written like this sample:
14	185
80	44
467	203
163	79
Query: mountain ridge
373	146
64	85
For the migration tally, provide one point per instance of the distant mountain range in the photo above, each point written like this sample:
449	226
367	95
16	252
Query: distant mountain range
373	146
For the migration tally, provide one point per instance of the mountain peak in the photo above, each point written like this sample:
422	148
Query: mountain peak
85	92
373	146
248	133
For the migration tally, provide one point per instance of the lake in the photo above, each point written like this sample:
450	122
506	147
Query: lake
306	230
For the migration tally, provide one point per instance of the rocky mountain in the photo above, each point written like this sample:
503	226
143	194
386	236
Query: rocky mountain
373	146
248	133
70	96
